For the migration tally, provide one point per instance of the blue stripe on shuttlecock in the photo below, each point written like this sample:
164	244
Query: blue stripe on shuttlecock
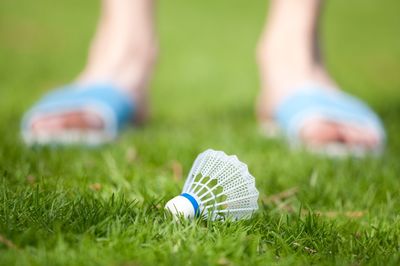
193	201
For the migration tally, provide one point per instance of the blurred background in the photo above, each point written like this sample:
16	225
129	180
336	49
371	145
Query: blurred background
207	47
207	58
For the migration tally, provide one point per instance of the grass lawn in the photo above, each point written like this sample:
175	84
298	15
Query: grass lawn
104	206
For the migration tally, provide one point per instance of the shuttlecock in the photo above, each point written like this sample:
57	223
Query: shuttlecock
218	186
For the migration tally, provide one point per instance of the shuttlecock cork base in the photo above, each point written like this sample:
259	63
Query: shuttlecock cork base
184	205
218	186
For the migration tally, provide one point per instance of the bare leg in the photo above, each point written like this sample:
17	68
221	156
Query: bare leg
123	52
288	57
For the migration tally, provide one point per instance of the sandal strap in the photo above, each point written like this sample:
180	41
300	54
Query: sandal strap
313	101
113	106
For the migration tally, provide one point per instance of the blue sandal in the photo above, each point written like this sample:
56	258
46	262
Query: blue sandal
115	108
312	101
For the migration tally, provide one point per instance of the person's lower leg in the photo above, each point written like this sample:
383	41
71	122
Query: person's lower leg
289	57
122	53
286	50
124	48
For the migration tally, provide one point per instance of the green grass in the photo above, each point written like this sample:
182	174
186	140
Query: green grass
105	206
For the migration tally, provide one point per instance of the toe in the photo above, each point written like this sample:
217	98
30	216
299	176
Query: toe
47	123
73	120
356	136
81	121
318	133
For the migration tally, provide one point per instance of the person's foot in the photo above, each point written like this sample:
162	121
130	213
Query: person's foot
122	54
288	58
317	132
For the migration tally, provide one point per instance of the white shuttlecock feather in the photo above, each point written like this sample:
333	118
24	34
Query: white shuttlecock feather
218	186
